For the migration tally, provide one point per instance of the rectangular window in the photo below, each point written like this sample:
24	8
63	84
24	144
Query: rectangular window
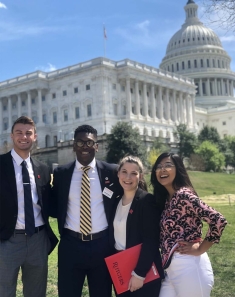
183	65
147	94
140	92
189	64
218	63
204	88
53	95
89	113
14	106
131	91
66	115
4	107
213	63
124	109
208	62
5	125
76	90
23	103
224	123
43	98
123	88
195	63
33	100
44	118
77	115
54	117
115	109
201	62
172	68
114	86
177	66
88	87
64	93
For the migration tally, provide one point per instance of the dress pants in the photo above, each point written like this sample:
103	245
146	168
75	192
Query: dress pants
30	254
188	276
78	259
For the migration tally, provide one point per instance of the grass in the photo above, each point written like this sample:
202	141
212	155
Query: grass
222	255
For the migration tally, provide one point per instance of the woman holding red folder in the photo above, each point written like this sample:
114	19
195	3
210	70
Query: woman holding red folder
188	268
135	221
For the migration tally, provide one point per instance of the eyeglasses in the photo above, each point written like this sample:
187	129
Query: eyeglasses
89	143
167	167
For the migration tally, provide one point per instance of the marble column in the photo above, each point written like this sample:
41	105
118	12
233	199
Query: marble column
19	105
119	111
181	107
137	97
145	99
231	88
222	87
160	104
153	103
9	113
228	89
29	111
200	87
216	87
174	107
167	105
208	91
128	98
193	109
187	100
39	106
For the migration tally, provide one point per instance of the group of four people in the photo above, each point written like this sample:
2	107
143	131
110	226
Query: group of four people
101	209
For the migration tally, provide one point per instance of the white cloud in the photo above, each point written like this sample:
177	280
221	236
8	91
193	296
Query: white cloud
230	38
50	67
2	5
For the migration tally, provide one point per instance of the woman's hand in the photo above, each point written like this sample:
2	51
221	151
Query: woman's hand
193	248
189	248
135	283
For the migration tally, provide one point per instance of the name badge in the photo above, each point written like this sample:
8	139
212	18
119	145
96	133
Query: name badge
107	192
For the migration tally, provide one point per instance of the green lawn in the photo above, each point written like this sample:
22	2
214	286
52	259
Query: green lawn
222	255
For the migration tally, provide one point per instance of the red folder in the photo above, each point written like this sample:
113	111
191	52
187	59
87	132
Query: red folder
122	264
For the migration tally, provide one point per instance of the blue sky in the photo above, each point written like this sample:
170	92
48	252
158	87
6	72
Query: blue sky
52	34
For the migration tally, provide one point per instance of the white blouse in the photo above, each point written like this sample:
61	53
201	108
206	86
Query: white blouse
119	225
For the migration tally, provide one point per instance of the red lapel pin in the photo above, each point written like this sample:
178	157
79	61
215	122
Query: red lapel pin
131	211
38	176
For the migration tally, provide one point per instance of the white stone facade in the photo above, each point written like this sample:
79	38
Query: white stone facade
99	92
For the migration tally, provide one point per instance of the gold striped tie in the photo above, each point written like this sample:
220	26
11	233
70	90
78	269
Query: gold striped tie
85	203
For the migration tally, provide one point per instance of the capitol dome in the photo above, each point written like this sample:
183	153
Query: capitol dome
196	51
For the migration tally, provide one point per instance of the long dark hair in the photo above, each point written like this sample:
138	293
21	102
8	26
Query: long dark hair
132	159
181	178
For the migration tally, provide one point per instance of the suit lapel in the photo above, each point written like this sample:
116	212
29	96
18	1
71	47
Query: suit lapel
67	177
10	176
131	213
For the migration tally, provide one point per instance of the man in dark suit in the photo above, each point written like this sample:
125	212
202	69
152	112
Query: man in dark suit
82	249
26	238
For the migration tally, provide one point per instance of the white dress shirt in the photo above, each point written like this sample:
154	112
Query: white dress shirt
98	216
17	160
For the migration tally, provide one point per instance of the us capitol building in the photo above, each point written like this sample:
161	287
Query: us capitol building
194	85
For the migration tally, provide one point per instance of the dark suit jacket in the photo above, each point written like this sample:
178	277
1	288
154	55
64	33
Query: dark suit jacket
61	186
142	227
8	196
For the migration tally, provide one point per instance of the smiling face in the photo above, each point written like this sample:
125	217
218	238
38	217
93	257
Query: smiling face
23	137
85	154
129	176
166	172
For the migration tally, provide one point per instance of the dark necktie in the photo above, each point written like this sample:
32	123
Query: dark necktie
85	203
28	203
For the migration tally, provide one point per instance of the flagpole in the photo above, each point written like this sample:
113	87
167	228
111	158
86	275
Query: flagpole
105	37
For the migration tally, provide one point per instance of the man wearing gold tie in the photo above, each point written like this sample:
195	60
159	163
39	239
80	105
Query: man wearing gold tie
83	197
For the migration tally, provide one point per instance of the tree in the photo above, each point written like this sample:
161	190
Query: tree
221	12
158	147
209	133
187	141
227	147
209	152
125	140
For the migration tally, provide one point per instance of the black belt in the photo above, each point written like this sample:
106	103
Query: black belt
88	237
22	231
